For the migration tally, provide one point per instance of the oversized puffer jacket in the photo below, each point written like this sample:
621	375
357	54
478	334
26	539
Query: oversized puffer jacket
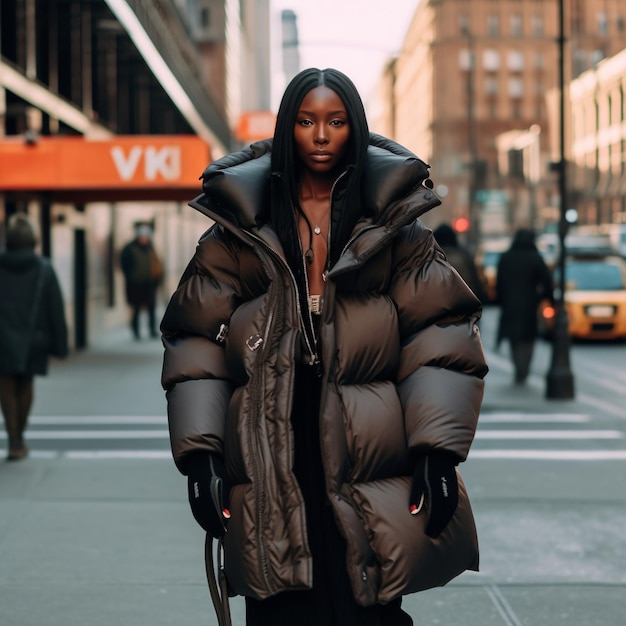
403	371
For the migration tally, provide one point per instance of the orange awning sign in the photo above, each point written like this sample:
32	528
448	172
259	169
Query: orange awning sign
256	125
123	162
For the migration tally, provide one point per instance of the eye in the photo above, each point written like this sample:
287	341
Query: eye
338	123
304	122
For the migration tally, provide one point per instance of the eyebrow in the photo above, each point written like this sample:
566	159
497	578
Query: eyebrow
338	112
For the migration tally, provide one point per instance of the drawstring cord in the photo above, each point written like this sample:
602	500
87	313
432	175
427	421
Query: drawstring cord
217	586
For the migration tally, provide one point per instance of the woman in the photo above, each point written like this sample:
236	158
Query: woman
32	327
310	350
523	281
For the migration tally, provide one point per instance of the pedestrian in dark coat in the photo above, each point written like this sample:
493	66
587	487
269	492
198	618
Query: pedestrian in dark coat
32	327
324	371
523	281
143	272
460	258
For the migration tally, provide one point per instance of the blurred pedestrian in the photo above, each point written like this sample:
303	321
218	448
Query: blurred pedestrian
324	371
461	259
32	327
523	281
143	272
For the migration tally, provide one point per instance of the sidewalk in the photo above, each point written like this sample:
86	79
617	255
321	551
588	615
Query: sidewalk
111	541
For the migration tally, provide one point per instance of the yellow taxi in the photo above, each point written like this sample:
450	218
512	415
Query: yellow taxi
595	297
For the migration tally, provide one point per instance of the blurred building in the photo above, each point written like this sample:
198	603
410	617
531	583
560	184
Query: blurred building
471	70
598	142
290	44
109	112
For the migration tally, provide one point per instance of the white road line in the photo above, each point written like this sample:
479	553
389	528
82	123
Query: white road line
477	455
549	434
503	607
117	454
532	418
549	455
77	420
34	435
538	382
617	386
100	454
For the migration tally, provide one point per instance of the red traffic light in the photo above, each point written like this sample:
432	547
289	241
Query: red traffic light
461	224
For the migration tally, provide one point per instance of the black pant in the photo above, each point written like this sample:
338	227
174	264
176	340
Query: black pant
16	399
134	322
331	601
522	354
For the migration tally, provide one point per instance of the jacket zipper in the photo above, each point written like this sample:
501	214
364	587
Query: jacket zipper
312	350
330	222
257	389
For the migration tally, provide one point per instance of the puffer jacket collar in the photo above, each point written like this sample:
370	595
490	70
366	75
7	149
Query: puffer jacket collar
397	190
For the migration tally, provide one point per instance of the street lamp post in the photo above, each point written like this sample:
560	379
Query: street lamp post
472	187
560	380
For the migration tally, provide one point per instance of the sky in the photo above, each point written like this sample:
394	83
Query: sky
354	36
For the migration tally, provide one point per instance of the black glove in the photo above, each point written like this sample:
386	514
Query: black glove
208	490
435	485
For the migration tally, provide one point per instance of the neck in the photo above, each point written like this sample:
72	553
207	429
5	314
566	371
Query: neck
315	186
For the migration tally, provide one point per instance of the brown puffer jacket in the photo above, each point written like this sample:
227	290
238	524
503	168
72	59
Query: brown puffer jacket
403	367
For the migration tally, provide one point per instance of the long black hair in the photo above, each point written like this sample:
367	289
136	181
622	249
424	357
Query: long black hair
285	163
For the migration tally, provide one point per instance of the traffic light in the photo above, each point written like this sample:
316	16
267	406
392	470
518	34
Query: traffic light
461	224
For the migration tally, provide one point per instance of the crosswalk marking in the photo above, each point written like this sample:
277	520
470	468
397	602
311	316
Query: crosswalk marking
101	454
34	435
549	434
504	426
549	455
91	420
529	418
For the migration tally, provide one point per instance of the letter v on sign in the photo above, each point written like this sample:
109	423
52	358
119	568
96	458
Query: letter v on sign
126	167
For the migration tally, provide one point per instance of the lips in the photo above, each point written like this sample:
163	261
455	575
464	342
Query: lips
321	155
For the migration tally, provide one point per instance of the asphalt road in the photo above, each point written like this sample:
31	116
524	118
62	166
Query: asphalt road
94	526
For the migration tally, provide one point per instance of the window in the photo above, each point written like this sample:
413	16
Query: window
538	26
603	23
538	60
594	276
465	60
491	60
491	86
516	87
464	25
493	25
516	25
619	23
515	60
205	17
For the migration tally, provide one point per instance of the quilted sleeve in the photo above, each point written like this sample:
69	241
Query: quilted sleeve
194	373
442	363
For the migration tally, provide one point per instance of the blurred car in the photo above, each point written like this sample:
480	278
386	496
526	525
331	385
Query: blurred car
595	296
487	258
617	236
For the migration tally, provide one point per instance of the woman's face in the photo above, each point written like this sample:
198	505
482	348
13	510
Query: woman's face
322	130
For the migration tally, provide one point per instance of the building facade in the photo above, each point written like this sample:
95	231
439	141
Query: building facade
471	70
597	136
109	112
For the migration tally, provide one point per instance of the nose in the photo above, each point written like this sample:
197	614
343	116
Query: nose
320	135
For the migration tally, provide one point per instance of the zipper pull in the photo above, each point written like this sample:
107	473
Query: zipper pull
317	364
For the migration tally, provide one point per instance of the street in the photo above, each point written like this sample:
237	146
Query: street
95	527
